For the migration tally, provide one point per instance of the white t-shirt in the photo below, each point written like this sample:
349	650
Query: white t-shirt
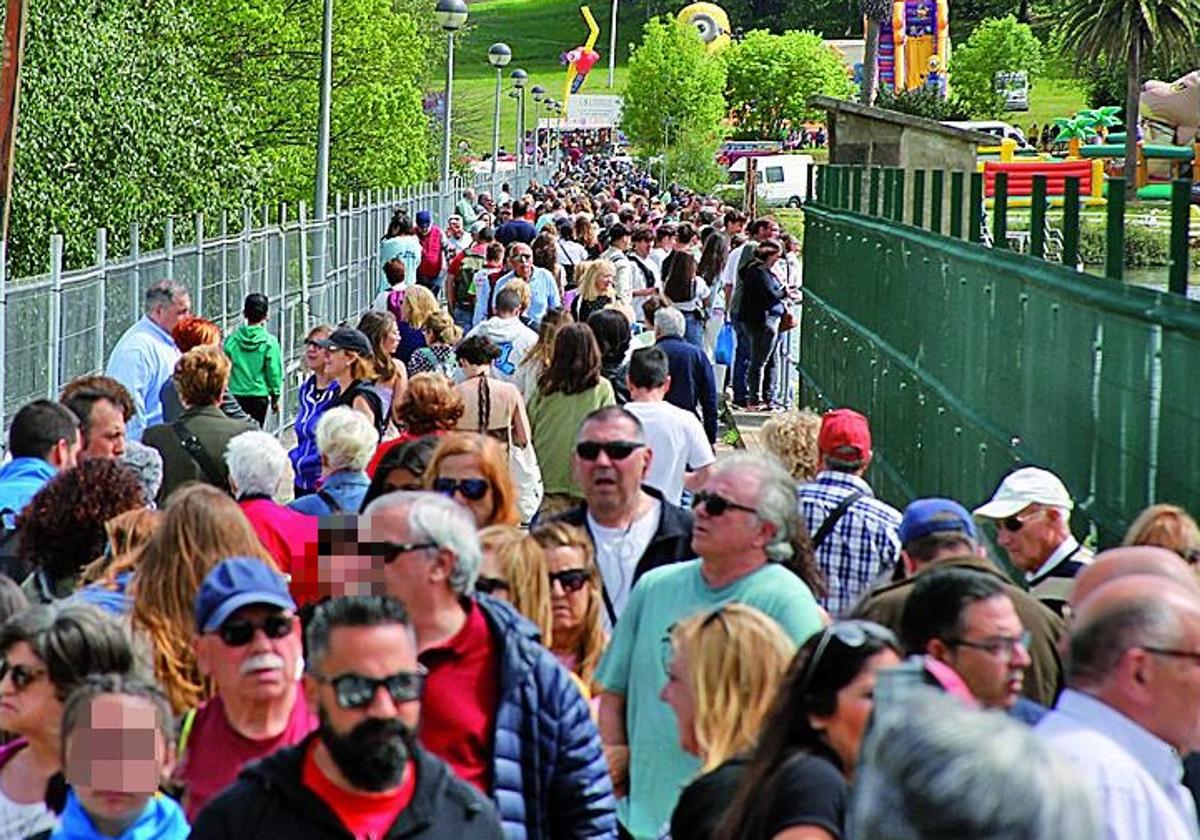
23	820
514	340
618	551
657	255
678	442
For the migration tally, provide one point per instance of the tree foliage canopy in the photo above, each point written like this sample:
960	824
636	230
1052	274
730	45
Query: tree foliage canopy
771	77
998	45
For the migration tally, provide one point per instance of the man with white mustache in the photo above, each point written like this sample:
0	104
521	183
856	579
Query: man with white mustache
248	644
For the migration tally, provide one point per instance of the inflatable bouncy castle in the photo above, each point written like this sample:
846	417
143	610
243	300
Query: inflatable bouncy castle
914	45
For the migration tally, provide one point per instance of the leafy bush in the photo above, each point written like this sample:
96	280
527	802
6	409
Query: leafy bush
921	102
998	45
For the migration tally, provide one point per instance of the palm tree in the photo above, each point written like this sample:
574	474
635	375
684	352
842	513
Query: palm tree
1102	29
875	12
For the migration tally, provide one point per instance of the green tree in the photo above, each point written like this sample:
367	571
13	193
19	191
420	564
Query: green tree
674	92
998	45
771	77
1094	29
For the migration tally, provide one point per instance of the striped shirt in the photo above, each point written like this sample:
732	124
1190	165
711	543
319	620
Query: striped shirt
863	543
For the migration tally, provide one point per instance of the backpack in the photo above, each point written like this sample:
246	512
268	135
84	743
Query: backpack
464	280
10	540
362	388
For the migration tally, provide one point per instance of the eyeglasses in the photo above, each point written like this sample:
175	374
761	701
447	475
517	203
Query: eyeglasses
1178	654
314	343
571	580
489	585
355	691
522	257
389	551
715	504
852	634
241	633
999	646
471	488
617	450
22	675
1014	523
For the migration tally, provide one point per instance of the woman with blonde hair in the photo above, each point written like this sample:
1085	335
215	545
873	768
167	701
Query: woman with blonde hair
792	438
596	291
419	304
473	470
105	581
537	358
579	639
1167	526
514	570
201	526
437	356
350	362
724	672
391	376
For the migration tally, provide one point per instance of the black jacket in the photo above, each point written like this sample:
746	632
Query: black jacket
671	543
213	430
269	801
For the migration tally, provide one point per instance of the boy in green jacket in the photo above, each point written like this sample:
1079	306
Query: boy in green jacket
257	374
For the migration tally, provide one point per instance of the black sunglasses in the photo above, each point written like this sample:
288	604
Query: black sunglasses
471	488
852	634
617	450
715	504
490	585
389	551
241	632
571	580
22	675
355	691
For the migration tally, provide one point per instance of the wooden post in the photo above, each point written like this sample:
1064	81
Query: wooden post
751	199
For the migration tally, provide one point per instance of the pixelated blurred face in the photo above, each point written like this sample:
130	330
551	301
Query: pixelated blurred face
106	432
677	693
843	730
254	654
346	564
28	704
116	756
462	475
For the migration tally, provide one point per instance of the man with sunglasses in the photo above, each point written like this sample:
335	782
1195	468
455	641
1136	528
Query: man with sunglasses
248	644
543	290
1032	512
632	526
965	619
938	534
491	687
362	773
745	528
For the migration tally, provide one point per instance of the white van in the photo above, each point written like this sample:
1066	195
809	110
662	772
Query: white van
782	179
999	130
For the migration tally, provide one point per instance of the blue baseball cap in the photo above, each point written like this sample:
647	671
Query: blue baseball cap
234	583
424	219
935	516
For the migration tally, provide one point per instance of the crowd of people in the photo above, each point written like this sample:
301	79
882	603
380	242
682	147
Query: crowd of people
505	586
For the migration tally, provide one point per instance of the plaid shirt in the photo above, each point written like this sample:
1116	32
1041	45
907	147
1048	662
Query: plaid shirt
863	543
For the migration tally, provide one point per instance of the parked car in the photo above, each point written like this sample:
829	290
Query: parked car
1000	130
1014	87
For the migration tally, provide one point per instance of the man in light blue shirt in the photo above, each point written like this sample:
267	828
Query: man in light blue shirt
543	290
743	531
1129	711
145	356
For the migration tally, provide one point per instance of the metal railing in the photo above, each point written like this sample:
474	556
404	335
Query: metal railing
64	324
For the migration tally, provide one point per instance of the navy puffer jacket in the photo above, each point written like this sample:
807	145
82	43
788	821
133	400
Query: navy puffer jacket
549	777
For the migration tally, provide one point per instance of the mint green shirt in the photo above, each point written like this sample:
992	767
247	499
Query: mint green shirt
635	666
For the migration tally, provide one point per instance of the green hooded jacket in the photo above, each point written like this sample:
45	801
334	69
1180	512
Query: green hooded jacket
257	362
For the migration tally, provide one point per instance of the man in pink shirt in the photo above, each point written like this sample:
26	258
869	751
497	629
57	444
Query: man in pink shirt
248	643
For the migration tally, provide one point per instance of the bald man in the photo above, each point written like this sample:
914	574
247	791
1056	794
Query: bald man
1130	709
1130	560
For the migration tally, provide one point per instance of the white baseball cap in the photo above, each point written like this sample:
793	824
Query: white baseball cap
1024	487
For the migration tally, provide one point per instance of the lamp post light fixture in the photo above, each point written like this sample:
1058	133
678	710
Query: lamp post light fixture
519	79
451	15
538	93
499	55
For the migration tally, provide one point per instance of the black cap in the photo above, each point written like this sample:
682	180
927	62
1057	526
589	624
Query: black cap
348	338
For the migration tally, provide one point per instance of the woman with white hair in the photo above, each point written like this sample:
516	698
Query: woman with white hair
257	463
346	440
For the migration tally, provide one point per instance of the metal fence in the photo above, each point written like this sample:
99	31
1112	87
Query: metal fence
64	324
971	360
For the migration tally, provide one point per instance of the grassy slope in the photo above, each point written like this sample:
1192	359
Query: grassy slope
537	31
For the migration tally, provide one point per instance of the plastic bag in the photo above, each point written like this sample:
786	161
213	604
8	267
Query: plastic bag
723	352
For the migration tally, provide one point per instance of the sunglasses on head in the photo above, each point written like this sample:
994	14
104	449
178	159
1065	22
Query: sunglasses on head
852	634
241	632
23	676
471	488
490	585
571	580
715	504
355	691
617	450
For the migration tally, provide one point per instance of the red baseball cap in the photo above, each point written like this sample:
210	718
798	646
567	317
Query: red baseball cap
845	434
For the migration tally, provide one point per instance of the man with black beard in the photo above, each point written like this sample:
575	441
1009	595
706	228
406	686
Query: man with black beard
362	772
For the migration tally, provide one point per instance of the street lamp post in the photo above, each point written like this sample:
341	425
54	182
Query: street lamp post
498	56
612	43
538	92
321	193
451	14
519	78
